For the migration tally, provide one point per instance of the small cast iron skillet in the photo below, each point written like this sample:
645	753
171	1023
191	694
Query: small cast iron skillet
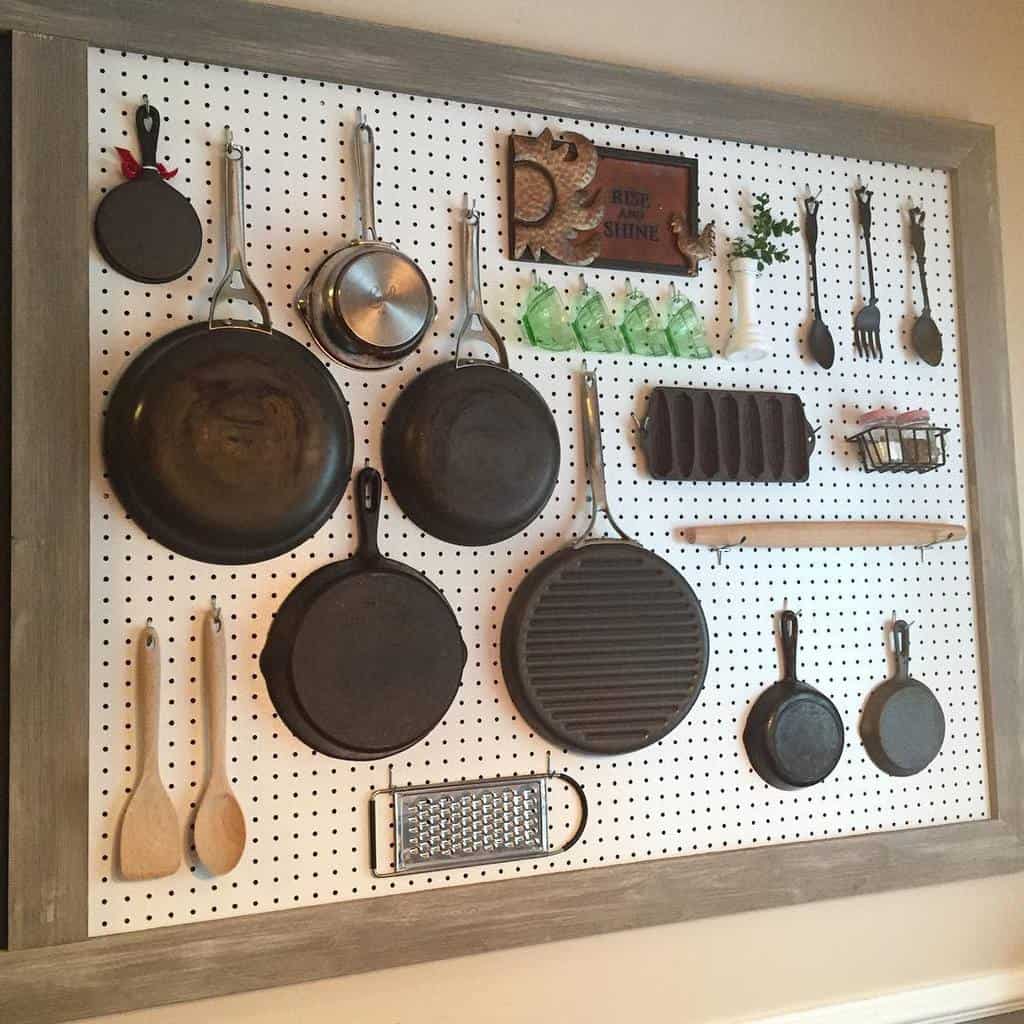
794	735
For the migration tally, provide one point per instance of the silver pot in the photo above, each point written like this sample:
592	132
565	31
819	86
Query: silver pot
367	305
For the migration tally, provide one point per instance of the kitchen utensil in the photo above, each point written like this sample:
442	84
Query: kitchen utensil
456	825
145	228
819	341
593	323
545	322
640	328
925	335
364	656
227	441
367	305
902	725
470	448
220	821
794	735
712	434
604	646
684	327
150	845
867	337
856	534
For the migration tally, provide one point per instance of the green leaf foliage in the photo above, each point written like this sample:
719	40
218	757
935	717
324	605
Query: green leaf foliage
759	244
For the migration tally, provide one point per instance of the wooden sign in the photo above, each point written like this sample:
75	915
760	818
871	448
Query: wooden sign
572	202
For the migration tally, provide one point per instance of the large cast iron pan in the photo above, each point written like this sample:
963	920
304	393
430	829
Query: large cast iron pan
604	646
470	448
365	656
794	735
228	442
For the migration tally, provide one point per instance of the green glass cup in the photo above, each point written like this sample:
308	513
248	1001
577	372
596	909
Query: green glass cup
685	329
545	321
644	336
593	324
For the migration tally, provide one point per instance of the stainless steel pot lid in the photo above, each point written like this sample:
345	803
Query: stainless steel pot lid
383	298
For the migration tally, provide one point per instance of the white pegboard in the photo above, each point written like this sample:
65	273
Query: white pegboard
694	792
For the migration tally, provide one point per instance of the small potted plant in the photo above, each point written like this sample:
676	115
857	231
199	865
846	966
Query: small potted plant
747	259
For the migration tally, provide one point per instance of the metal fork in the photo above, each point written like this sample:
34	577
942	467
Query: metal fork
867	337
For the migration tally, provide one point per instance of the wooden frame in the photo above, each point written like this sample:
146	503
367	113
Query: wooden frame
53	971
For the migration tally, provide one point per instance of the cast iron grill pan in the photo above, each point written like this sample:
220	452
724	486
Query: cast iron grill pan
604	646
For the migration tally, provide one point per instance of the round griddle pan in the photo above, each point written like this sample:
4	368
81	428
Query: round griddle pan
604	646
794	735
470	448
228	442
365	656
145	228
902	726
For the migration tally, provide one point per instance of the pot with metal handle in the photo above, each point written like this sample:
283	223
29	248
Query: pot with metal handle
367	305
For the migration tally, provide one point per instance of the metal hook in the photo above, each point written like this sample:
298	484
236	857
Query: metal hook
533	278
893	623
472	214
360	117
549	762
149	622
145	102
216	613
725	547
817	195
785	607
583	284
924	547
672	290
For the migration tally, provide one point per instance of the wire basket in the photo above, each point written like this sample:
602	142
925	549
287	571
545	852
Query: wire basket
909	449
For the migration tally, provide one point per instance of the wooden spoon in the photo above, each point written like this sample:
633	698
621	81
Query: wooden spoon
150	838
220	823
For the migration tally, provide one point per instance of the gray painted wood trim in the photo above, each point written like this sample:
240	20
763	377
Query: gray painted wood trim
120	972
49	651
294	42
188	962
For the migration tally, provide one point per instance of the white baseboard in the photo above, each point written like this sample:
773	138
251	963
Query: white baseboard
954	1002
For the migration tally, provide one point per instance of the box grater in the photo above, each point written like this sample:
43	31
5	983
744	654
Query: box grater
460	824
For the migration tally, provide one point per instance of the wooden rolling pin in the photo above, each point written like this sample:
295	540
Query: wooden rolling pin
856	534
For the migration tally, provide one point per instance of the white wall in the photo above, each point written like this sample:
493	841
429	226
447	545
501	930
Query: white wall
946	57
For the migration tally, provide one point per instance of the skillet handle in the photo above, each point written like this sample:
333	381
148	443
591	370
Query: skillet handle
901	645
149	138
475	320
365	154
789	630
368	492
594	456
584	810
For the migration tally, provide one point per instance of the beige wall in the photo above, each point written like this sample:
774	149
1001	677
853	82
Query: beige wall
947	57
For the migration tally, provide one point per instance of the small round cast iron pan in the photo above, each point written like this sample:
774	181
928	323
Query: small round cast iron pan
365	656
794	735
145	228
902	726
604	646
226	441
470	448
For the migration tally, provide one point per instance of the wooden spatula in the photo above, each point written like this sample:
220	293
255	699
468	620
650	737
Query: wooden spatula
150	839
220	823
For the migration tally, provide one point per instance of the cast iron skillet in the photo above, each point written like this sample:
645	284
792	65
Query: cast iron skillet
604	646
470	448
794	735
365	656
228	442
145	228
902	726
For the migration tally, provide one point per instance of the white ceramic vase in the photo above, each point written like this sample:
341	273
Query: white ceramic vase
748	341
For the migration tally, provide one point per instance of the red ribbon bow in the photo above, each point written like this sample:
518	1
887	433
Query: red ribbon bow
131	168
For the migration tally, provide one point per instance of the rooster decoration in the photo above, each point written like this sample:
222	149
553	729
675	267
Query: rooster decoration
693	248
555	212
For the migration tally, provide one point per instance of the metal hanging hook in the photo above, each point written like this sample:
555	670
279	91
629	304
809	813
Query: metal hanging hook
216	612
725	547
145	102
922	548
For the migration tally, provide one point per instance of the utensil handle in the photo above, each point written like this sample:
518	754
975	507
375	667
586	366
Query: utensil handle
216	690
789	630
811	231
365	154
901	645
368	494
825	535
864	208
148	699
149	138
917	242
236	283
594	456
